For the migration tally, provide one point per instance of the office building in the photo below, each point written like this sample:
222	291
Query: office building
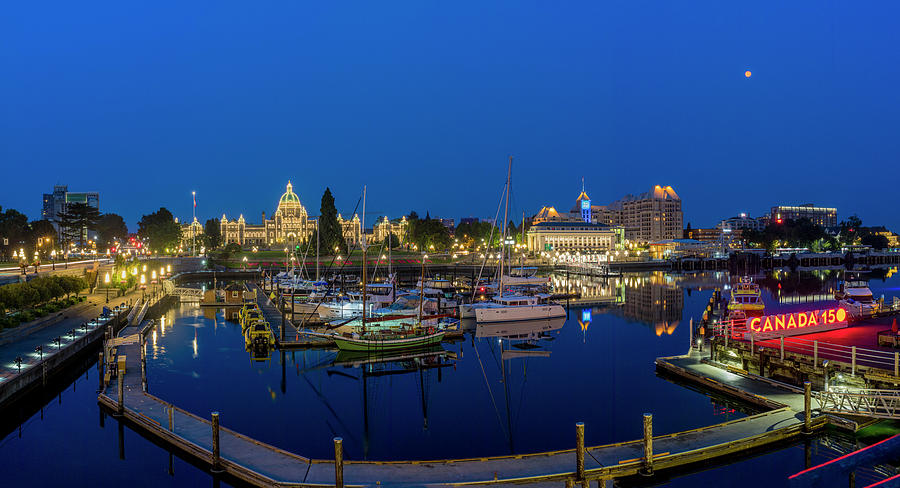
53	205
824	216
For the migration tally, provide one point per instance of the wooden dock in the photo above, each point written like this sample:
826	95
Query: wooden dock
261	464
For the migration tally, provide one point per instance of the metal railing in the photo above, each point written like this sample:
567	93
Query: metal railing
854	356
187	293
871	403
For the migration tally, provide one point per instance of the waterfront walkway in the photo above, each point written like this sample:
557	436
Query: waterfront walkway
24	347
264	465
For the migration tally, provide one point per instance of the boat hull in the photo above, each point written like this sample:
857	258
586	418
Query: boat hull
518	314
370	345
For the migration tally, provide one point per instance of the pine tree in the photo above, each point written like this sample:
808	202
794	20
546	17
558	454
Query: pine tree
212	233
332	235
76	221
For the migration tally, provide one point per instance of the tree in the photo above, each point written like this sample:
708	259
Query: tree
212	234
392	240
472	234
160	230
42	236
850	230
877	241
429	232
111	227
331	234
76	221
14	232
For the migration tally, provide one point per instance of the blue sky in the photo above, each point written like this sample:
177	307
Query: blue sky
423	101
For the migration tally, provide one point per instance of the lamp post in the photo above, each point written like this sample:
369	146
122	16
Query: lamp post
53	259
106	282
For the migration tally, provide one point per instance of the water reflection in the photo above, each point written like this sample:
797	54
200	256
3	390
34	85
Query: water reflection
375	370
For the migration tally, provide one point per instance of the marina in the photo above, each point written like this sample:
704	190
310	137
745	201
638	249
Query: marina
249	453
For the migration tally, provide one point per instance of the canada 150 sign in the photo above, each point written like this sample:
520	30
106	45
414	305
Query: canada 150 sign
798	320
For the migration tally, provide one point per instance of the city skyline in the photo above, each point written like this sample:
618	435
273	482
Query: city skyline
424	104
184	215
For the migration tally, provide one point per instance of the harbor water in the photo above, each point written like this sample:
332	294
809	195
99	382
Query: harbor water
485	395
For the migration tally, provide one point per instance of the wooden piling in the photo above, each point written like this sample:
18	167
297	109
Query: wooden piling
897	364
781	339
853	360
171	411
579	451
100	369
807	407
338	462
216	454
815	354
120	407
648	444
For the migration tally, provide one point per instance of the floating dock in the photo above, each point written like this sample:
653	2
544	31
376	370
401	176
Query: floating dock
261	464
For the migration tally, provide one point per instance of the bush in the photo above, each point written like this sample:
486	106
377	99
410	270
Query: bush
41	290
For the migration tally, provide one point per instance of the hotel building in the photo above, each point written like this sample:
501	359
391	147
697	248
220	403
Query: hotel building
824	216
647	217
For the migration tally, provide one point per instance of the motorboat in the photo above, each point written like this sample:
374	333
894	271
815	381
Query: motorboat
259	336
855	296
747	298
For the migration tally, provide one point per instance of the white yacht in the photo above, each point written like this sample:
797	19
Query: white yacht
513	307
856	297
519	308
529	331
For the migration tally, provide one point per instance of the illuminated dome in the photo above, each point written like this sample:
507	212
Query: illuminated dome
289	204
289	196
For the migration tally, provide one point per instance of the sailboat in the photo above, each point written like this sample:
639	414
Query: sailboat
508	307
406	336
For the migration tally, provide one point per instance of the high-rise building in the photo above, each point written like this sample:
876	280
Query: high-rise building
650	216
824	216
55	204
647	217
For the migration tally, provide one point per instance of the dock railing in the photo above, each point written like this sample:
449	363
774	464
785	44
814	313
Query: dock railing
854	356
865	402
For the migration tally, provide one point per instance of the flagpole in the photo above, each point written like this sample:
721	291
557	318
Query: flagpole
193	232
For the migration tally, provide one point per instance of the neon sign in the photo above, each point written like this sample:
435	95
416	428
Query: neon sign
798	320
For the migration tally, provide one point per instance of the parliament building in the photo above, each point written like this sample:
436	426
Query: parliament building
289	225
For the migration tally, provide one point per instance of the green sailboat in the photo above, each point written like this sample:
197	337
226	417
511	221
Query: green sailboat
409	336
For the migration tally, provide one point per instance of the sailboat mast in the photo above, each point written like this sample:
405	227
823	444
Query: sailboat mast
362	238
422	289
505	225
317	248
523	240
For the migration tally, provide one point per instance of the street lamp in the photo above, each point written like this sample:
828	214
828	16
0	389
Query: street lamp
106	282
